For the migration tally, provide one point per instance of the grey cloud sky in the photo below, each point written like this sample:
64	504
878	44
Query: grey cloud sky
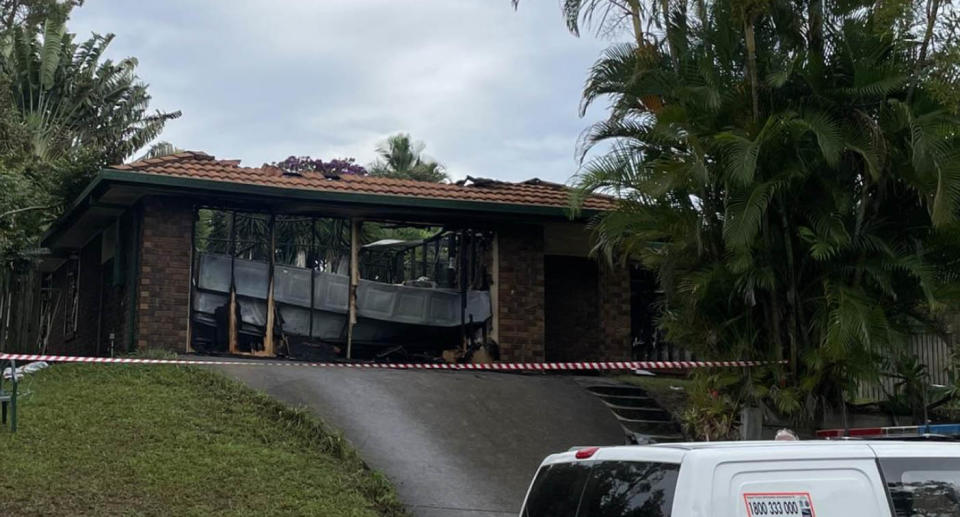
492	91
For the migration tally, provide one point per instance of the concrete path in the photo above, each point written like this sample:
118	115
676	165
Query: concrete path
453	443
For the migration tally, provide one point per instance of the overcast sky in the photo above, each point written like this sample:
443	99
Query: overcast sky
493	92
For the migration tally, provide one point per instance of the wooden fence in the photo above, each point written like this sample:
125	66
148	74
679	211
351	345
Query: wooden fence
21	322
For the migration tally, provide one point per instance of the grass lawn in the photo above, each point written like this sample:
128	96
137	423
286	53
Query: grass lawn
169	440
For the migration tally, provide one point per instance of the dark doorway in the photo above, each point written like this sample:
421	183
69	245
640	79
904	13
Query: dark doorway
643	313
571	315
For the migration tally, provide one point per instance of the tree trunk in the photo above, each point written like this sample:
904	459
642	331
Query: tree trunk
792	291
815	34
775	313
932	10
748	28
933	7
635	18
775	333
665	8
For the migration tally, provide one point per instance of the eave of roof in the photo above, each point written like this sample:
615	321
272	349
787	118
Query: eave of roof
164	180
112	177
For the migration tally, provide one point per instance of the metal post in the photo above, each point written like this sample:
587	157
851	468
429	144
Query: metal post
13	397
751	423
194	279
232	323
436	260
423	259
463	287
313	249
354	281
268	345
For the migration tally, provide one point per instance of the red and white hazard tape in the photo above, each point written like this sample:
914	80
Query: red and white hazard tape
605	365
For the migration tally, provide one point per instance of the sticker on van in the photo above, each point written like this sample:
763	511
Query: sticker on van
779	504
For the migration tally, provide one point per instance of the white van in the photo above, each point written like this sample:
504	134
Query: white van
751	479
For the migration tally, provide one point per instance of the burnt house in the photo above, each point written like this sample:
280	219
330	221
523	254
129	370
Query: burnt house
190	253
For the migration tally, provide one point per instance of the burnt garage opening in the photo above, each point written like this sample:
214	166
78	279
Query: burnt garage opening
315	287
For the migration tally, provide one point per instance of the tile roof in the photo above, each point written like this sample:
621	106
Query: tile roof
198	165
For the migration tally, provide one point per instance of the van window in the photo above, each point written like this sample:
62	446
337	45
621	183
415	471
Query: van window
556	490
603	489
630	489
923	487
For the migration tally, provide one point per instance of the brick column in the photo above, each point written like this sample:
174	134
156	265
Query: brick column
614	302
520	293
163	288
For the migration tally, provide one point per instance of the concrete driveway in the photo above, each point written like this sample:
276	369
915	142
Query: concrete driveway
454	443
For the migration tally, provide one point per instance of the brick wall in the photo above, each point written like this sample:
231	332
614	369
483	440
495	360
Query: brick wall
614	303
163	290
520	293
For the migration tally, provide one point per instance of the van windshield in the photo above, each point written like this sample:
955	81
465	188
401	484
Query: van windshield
923	487
603	489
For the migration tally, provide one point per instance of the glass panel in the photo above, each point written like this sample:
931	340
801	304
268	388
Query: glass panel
923	487
630	489
556	490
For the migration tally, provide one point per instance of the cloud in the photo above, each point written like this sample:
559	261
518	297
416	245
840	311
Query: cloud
491	91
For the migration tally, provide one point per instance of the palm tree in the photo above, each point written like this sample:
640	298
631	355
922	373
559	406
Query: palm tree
610	16
797	198
401	157
14	13
71	98
69	113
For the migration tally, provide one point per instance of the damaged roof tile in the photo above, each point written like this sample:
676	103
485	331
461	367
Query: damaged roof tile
192	164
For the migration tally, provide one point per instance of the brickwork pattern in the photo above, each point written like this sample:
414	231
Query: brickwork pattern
614	302
163	291
520	293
